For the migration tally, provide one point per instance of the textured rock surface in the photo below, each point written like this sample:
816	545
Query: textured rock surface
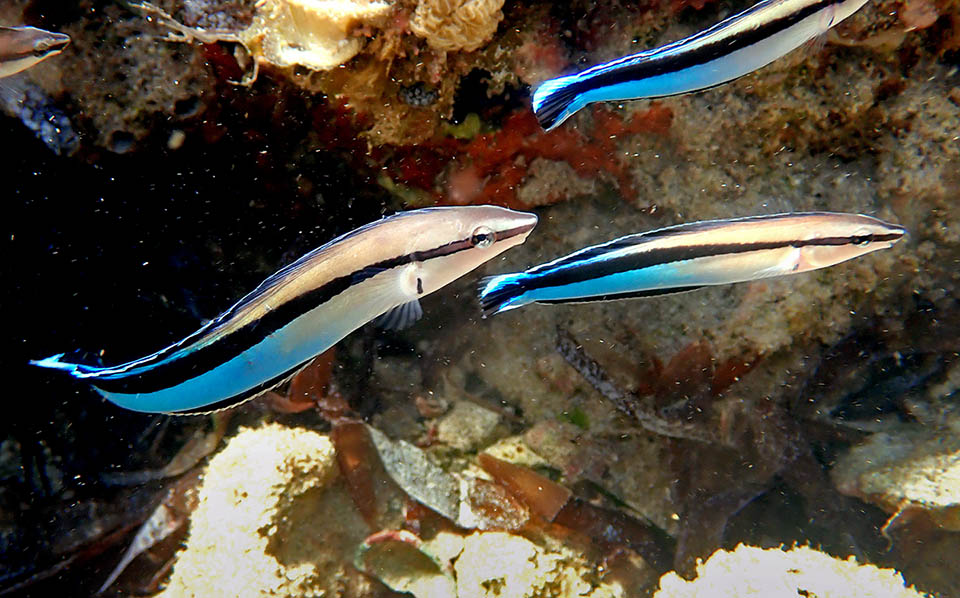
910	468
272	519
748	571
215	186
498	564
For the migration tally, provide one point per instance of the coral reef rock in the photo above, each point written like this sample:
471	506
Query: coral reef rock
775	573
273	519
452	25
501	564
914	468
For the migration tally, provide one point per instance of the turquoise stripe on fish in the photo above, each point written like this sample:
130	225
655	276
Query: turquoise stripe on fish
688	256
307	307
726	51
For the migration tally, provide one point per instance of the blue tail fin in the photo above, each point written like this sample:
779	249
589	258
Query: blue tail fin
56	362
552	101
500	293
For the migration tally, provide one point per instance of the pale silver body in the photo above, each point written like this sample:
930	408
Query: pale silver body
309	306
687	256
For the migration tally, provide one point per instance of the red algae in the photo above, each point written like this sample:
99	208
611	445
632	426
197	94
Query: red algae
613	530
544	497
224	65
730	372
312	383
501	159
356	456
678	5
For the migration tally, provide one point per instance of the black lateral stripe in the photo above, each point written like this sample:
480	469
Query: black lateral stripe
194	363
676	230
617	296
660	64
571	273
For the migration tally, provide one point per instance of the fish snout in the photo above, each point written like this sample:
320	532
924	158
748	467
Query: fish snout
53	43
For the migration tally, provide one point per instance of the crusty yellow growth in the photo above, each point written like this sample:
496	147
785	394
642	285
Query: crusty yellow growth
313	33
749	572
456	24
316	34
273	520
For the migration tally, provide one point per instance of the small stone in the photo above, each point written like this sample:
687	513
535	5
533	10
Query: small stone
467	427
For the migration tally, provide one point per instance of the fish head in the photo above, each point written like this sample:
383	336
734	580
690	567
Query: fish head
48	43
843	237
453	241
23	47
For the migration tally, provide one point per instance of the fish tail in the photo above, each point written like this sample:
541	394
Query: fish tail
554	99
501	293
56	362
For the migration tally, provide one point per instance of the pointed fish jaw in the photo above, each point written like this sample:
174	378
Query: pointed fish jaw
509	228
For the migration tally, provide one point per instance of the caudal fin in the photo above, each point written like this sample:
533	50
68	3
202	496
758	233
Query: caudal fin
500	293
56	362
553	99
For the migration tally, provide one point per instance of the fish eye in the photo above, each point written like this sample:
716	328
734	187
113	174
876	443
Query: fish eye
860	240
482	237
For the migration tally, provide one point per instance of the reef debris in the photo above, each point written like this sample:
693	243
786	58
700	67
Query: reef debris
629	404
169	516
39	113
201	444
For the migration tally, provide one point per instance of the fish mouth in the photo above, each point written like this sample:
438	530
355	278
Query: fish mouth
51	45
524	223
899	232
58	44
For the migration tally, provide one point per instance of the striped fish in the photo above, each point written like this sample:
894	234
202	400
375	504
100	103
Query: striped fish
379	270
23	47
688	256
730	49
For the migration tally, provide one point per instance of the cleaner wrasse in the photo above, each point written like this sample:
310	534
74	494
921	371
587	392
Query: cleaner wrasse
730	49
379	270
688	256
23	47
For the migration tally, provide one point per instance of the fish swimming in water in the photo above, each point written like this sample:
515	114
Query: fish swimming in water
688	256
730	49
23	47
379	270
